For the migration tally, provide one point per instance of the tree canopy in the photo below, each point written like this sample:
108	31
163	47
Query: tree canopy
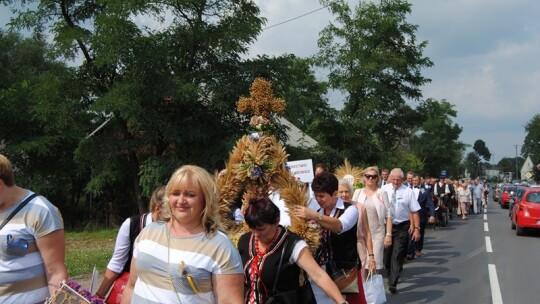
531	144
102	115
373	57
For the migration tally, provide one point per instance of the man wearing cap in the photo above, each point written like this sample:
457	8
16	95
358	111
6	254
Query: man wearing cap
406	209
443	191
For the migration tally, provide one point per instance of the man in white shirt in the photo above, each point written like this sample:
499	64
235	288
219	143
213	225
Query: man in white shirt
405	222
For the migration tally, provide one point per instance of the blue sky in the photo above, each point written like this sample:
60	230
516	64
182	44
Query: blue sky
485	54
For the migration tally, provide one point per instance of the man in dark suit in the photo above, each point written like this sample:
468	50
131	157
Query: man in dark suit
384	178
426	213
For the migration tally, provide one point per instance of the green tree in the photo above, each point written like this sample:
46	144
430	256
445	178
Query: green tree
531	144
436	139
509	164
472	163
481	149
41	122
373	58
156	97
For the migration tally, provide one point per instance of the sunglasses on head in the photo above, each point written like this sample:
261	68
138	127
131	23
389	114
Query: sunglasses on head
370	176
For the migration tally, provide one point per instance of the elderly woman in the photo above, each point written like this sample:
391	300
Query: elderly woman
464	198
265	246
345	190
185	258
338	221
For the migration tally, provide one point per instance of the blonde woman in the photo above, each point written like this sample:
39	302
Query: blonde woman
457	185
185	258
464	199
374	202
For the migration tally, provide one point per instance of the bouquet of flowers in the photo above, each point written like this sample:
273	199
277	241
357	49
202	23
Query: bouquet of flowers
71	292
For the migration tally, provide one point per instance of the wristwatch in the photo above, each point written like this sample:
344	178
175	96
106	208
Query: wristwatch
320	217
417	228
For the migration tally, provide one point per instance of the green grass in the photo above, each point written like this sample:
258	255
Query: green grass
84	250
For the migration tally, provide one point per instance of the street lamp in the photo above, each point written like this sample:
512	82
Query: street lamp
516	162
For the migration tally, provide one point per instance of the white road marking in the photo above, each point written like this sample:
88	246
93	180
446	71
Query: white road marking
485	217
494	282
488	244
486	229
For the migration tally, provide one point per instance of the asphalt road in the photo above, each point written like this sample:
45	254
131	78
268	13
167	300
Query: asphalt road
478	260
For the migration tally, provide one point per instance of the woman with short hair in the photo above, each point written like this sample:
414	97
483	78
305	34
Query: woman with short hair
262	249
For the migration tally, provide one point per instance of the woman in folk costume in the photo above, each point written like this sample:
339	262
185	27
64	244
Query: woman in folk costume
265	246
374	202
336	252
257	161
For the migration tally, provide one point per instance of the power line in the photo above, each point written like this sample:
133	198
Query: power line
292	19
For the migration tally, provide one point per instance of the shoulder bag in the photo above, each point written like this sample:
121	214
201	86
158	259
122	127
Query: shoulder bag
28	199
344	274
301	295
115	296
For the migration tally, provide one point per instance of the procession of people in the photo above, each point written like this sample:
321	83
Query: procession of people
183	254
254	232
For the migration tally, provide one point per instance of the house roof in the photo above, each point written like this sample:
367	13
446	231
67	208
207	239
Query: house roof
297	138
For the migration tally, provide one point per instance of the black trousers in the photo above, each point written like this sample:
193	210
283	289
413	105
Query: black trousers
417	246
394	256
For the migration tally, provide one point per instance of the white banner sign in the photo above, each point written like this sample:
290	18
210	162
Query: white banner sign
302	170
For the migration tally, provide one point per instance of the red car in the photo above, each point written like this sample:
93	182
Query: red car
526	212
507	193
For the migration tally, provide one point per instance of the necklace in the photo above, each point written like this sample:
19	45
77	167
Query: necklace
260	253
183	272
169	263
254	272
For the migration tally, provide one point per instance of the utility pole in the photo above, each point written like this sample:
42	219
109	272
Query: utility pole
516	162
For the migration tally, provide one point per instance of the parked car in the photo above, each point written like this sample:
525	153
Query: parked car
526	212
520	190
507	194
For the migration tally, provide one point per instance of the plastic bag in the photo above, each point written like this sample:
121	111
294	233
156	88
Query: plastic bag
374	289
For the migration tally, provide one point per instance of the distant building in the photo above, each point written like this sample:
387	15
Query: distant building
297	138
490	173
526	170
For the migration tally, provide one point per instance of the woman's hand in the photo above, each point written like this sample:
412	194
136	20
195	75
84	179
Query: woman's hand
305	213
372	266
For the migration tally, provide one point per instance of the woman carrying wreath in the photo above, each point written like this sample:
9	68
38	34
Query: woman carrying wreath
185	258
338	221
262	249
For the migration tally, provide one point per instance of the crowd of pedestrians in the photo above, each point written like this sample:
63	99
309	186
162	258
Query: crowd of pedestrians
178	251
